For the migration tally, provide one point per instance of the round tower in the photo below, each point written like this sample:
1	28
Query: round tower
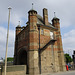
32	19
32	14
58	44
55	22
18	29
33	45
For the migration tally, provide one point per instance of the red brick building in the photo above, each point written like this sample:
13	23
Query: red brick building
39	44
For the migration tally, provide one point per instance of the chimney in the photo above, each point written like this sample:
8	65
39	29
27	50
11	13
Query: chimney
45	16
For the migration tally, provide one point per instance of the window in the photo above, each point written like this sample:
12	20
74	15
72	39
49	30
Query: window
51	35
34	27
42	31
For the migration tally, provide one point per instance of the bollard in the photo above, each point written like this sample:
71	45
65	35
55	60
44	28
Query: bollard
67	67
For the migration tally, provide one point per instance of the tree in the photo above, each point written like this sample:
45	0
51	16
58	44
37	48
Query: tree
68	58
10	59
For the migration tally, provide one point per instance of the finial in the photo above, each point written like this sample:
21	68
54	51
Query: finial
32	5
54	14
19	22
9	8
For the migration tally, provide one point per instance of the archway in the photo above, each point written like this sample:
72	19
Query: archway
23	57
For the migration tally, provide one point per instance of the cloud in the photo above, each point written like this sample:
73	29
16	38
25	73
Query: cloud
64	11
69	41
3	34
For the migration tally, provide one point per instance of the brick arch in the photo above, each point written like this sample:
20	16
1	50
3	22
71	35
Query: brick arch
22	56
22	48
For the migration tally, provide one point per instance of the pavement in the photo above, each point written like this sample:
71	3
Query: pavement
62	73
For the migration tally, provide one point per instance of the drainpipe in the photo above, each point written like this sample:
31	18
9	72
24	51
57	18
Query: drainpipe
53	58
39	52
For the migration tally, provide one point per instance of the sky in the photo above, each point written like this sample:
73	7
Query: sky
64	11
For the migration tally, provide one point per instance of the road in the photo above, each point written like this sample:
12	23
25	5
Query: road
65	73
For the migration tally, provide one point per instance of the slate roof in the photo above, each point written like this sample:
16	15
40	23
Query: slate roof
40	22
18	26
32	10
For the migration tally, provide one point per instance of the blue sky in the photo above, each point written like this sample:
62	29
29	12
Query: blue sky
64	11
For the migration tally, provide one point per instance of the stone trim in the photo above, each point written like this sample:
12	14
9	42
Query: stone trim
32	50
